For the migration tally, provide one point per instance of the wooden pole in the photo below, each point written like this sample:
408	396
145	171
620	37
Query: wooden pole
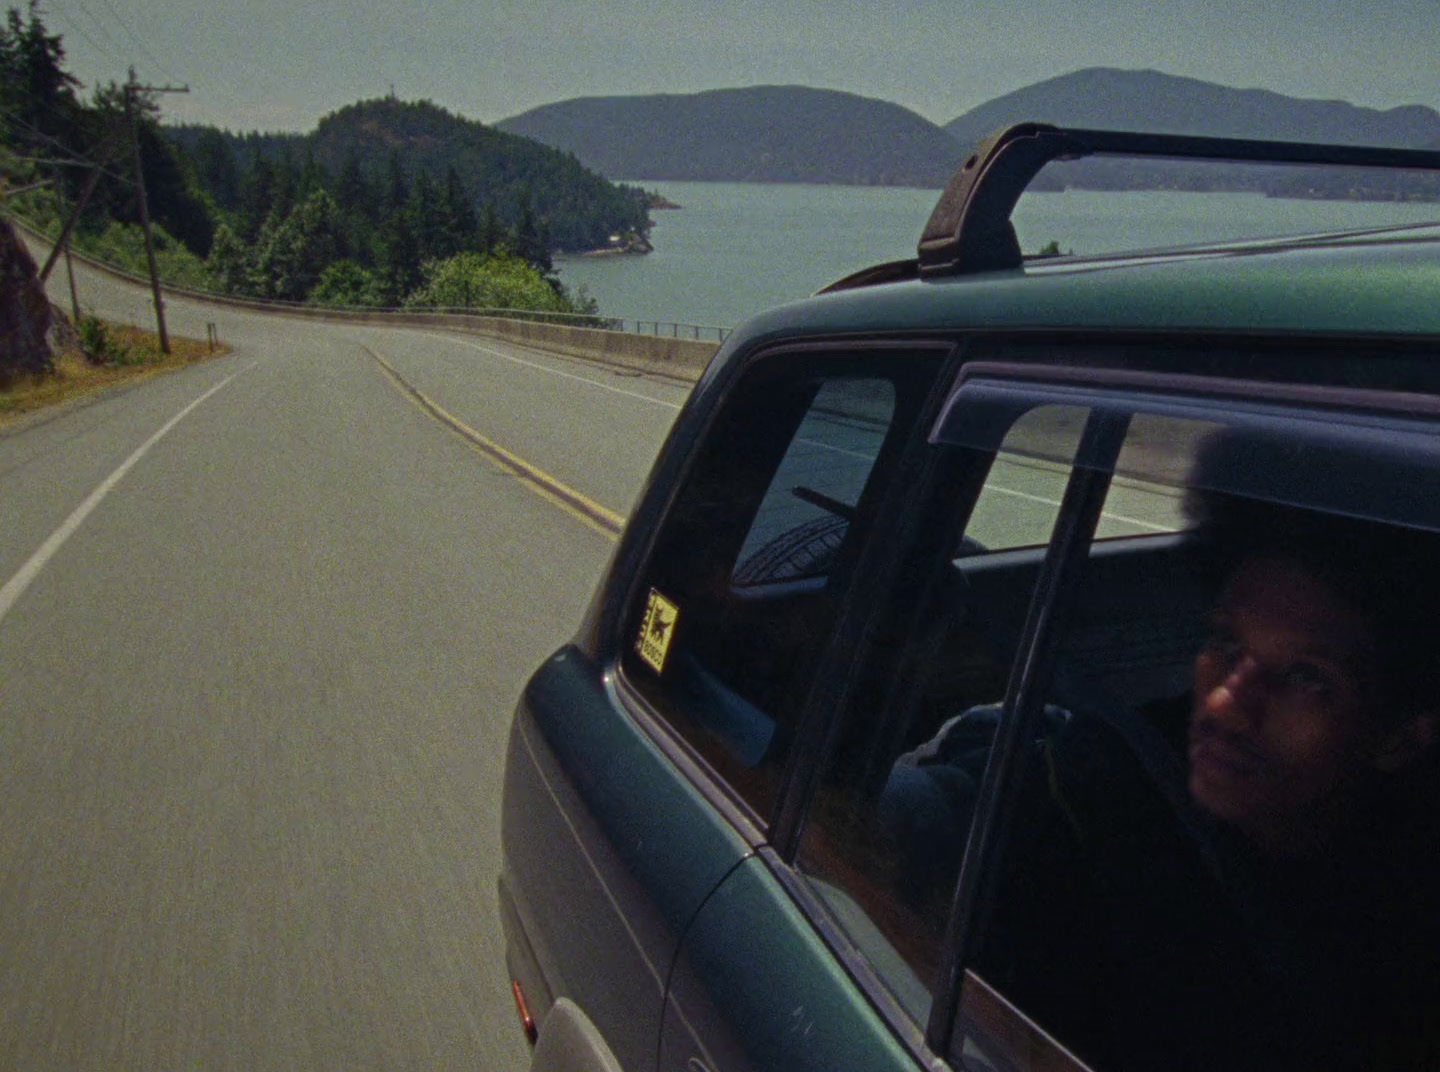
130	90
74	294
62	243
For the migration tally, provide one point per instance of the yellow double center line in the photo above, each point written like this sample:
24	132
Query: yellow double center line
533	477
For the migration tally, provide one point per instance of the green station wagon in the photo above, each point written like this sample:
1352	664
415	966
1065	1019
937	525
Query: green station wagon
1015	664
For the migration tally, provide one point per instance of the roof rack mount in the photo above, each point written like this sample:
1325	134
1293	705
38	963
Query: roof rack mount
970	229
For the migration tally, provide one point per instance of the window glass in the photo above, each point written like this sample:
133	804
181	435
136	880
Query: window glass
748	569
807	508
882	843
1224	850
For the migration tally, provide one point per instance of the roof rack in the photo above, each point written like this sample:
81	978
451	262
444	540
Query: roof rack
970	230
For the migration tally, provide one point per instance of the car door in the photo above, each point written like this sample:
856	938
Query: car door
823	950
998	860
640	776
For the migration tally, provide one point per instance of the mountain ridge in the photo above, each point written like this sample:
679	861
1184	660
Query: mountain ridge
752	134
804	134
1115	98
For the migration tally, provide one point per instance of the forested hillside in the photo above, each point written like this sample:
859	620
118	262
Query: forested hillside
759	134
363	210
363	143
386	203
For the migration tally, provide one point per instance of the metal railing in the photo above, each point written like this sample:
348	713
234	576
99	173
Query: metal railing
594	321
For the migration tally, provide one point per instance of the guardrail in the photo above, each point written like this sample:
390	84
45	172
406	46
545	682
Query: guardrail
673	330
586	336
599	321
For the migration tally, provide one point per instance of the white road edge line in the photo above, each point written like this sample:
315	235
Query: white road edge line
1103	513
554	372
17	584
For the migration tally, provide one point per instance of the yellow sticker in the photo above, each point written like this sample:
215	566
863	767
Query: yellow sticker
657	629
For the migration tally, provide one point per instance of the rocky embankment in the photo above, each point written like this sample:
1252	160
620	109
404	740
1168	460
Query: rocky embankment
25	315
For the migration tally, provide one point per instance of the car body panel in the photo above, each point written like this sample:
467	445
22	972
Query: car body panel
1308	288
789	1003
604	862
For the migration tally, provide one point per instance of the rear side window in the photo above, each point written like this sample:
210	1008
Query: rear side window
1160	718
1218	843
750	564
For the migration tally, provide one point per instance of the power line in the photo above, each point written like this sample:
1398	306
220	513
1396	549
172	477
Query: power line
139	42
71	156
101	46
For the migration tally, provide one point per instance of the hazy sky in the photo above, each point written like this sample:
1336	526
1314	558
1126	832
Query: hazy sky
282	64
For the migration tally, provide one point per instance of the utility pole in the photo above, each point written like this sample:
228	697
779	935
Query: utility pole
63	242
131	89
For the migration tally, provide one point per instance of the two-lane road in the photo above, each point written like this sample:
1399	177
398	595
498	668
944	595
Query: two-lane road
262	624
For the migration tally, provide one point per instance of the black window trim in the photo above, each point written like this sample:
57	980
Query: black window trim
1074	532
1214	388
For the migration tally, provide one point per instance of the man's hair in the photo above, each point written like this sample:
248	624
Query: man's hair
1388	573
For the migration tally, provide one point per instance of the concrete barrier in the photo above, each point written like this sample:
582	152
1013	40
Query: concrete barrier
683	359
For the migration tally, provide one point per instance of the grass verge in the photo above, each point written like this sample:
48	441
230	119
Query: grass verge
130	354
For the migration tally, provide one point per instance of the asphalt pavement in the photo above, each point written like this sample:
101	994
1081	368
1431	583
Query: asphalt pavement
262	625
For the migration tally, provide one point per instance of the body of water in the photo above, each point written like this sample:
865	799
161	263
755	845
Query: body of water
735	249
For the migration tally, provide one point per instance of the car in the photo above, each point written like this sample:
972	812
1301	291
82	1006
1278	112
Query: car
995	670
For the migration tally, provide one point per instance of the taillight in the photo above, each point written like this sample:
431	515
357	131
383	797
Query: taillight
527	1022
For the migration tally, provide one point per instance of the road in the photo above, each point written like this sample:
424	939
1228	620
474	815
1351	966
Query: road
262	625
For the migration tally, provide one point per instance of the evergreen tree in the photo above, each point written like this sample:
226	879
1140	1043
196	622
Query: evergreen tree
37	96
532	240
397	190
399	260
353	190
293	249
490	235
428	219
216	168
460	211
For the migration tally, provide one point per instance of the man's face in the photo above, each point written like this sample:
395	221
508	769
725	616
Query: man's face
1283	729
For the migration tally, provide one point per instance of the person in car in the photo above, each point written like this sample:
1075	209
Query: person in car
1247	876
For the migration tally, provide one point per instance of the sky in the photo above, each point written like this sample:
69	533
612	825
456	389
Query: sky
284	64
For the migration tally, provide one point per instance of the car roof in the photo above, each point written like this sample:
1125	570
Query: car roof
968	273
1382	283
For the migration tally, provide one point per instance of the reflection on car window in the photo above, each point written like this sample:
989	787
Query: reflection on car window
803	517
742	588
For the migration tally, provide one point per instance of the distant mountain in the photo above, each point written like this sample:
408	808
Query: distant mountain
506	172
759	134
1110	99
797	134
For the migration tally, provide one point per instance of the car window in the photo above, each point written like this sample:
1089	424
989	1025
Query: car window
749	566
883	842
1220	849
880	846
